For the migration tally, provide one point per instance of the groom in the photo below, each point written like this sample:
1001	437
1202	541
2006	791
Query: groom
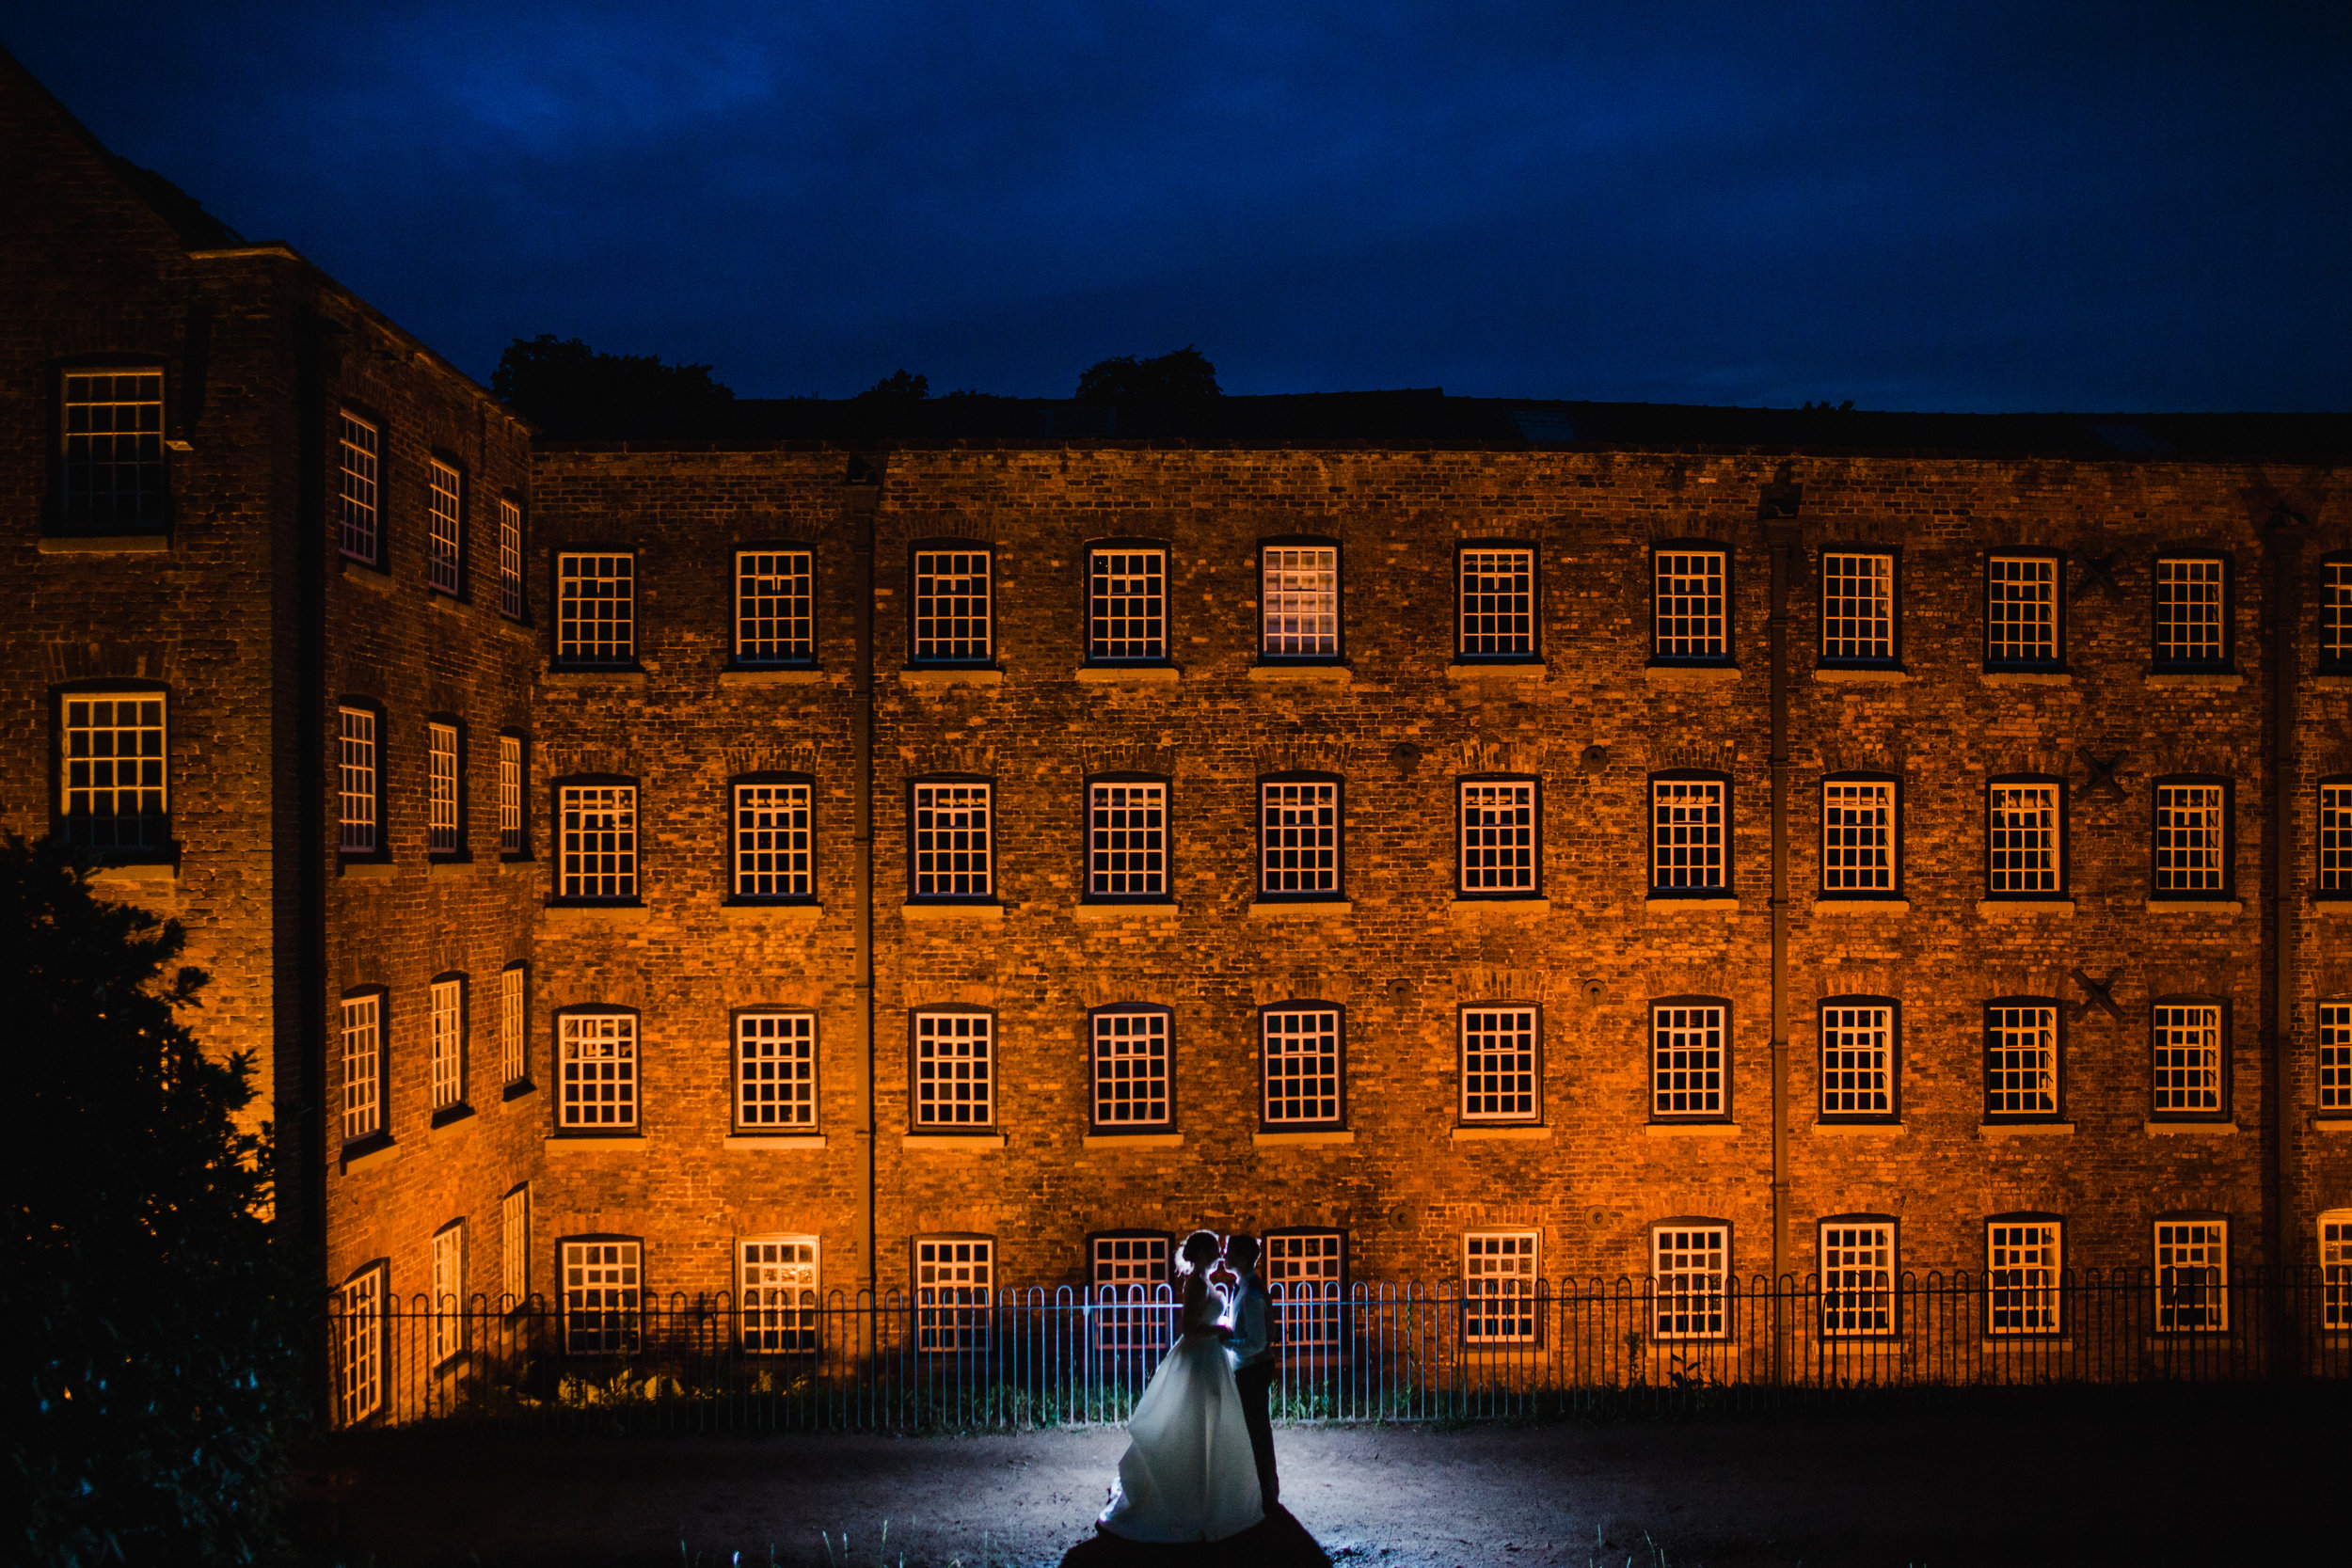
1256	1357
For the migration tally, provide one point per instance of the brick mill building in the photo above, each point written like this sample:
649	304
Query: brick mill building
1463	840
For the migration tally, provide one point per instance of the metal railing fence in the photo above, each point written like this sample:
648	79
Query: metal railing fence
1018	1359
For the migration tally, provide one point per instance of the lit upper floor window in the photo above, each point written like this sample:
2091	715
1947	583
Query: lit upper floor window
774	597
1126	603
1498	851
358	781
114	794
112	431
772	839
953	621
510	794
444	830
1857	608
2335	838
444	534
1690	844
953	841
1690	603
2192	839
1299	601
1299	838
2021	611
510	559
2335	613
596	846
356	454
1859	837
1494	602
2022	852
595	608
1126	844
2192	603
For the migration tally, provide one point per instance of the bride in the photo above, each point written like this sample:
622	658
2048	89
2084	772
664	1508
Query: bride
1188	1473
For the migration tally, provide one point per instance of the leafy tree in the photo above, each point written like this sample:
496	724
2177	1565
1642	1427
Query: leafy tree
901	388
152	1321
573	392
1177	379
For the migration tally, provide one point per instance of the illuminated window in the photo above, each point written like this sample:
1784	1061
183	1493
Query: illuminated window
2022	839
1130	1263
953	856
1126	605
2335	1057
513	1065
951	608
1497	851
595	608
775	1071
1305	1061
2335	1269
1495	608
955	1077
113	770
1499	1064
954	1280
1858	1278
774	598
511	795
1499	1276
362	1055
1305	1274
1299	837
2335	612
2192	1275
1130	1046
514	1247
112	457
1691	1262
2021	1276
1857	606
1298	601
1858	836
448	1008
510	559
1689	1046
2192	839
1127	838
602	1291
443	823
1690	835
2191	601
1130	1276
599	844
2021	610
2188	1057
354	488
1690	605
778	1282
1858	1040
444	540
449	1291
358	1345
2335	837
2021	1059
772	840
357	793
597	1071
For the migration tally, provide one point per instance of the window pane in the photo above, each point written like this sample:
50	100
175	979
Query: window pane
775	1070
2024	838
1131	1070
2335	838
1126	605
951	607
1300	595
441	823
442	549
2020	1061
2188	611
599	841
1857	1061
771	841
1688	606
1857	837
1130	1273
449	1292
1857	1280
600	1297
597	1062
1300	837
773	620
2193	1275
1687	1061
1858	606
113	456
1303	1273
1127	840
595	608
779	1284
2021	610
358	1348
2335	612
954	1077
2190	838
354	488
357	792
514	1247
2335	1269
510	794
1687	835
2188	1059
1499	1286
1499	1064
513	1068
1302	1066
449	1043
510	558
1499	837
2335	1057
2021	1276
1498	604
113	770
362	1071
954	1283
951	841
1692	1264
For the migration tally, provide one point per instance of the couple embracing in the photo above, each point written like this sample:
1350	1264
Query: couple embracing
1199	1460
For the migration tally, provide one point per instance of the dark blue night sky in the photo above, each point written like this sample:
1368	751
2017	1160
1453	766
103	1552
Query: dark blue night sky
2142	207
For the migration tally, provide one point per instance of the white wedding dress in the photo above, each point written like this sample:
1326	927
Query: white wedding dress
1188	1473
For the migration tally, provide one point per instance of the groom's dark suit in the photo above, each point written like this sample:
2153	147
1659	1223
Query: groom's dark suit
1256	1359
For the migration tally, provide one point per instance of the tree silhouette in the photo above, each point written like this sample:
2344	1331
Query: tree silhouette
1179	379
572	392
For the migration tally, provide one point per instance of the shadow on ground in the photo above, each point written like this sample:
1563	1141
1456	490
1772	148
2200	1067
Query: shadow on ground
1278	1541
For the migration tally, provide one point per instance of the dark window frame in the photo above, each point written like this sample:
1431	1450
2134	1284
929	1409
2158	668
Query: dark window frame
1650	1113
2335	620
2227	662
1504	895
2064	892
731	591
632	1329
2229	1271
2057	663
1133	1233
916	548
2058	1283
382	1134
995	1121
1338	657
1535	601
2225	1067
1461	1063
1729	657
166	852
636	1127
1294	1004
1099	1129
463	1105
1821	657
1898	894
56	519
731	869
555	787
557	658
522	851
464	849
382	853
369	415
2227	893
1894	1277
1087	552
2056	1113
1328	1310
1892	1114
1731	1272
1649	809
2329	781
449	459
520	614
1337	894
995	858
737	1127
1086	839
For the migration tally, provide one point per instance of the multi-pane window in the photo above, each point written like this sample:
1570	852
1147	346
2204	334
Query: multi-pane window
2022	839
1857	1059
515	1246
513	1066
362	1035
1299	601
1127	839
449	1291
2021	609
1130	1275
359	1342
2187	1058
2335	838
1126	605
774	592
1690	835
2021	1276
1499	1064
113	456
1688	1041
2021	1059
597	1070
1130	1048
951	610
1499	1274
595	608
2192	838
778	1282
2335	1057
598	846
1858	835
510	794
953	854
1690	615
510	558
1691	1265
601	1293
441	821
2335	612
444	540
448	1008
1858	1278
1857	606
115	796
1304	1060
2192	1276
775	1071
1498	851
356	792
2189	607
2335	1269
771	842
955	1071
1298	836
1496	611
354	488
954	1279
1305	1274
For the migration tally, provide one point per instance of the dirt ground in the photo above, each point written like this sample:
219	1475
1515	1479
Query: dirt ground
2207	1478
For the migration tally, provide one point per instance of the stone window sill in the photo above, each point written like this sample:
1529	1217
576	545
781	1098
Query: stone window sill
1127	674
449	865
1500	908
449	1118
781	676
1523	670
377	1148
2000	909
1845	674
514	866
617	675
366	577
1891	909
367	871
953	1143
1665	907
1691	675
597	914
1328	908
2333	906
1134	1140
2331	683
1331	674
594	1142
448	604
951	912
105	543
137	871
1501	1134
1100	914
1690	1128
976	675
2192	1128
776	913
2026	677
1858	1128
2193	682
2331	1124
1287	1140
2227	908
2025	1130
518	1088
774	1143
